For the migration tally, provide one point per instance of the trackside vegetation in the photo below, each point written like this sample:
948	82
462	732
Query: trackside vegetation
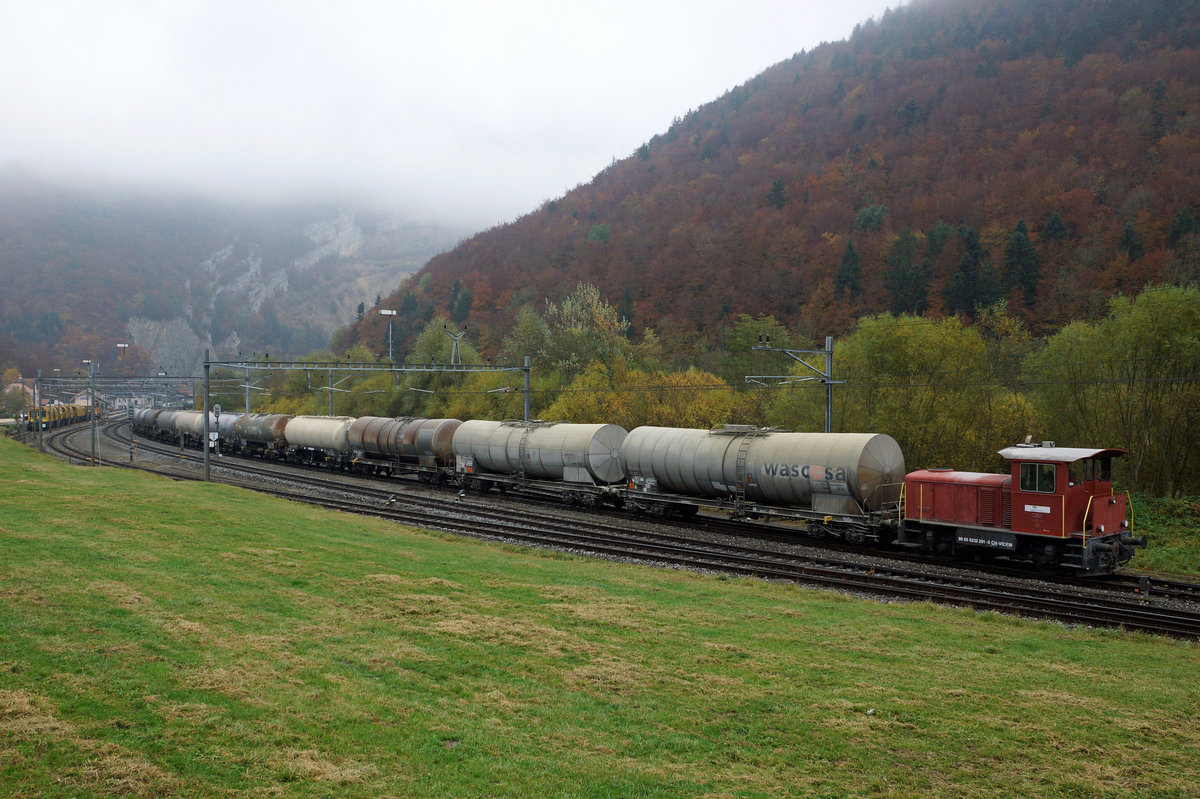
951	392
163	638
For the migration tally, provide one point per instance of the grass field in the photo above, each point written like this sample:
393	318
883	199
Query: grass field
162	638
1171	527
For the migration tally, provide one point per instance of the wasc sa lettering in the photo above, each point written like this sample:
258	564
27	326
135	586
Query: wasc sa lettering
807	471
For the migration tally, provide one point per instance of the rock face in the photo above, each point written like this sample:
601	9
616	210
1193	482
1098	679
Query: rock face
173	345
260	292
340	237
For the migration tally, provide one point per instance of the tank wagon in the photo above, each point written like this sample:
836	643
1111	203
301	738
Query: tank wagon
388	446
155	423
847	484
226	425
143	418
190	425
319	439
262	433
163	426
582	461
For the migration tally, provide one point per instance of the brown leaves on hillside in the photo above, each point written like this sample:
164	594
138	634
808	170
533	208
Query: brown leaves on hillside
945	115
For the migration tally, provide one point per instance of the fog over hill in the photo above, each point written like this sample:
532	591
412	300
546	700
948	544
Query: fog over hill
87	265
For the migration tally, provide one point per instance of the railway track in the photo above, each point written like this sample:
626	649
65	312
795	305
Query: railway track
1132	584
1132	603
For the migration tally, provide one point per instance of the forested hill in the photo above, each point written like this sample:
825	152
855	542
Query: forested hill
949	154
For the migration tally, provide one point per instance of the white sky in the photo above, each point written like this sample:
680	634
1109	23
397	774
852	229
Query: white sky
470	112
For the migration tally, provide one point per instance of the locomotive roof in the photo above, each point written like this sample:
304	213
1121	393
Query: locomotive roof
1056	454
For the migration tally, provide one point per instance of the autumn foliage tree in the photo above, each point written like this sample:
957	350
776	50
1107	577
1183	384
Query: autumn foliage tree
1131	380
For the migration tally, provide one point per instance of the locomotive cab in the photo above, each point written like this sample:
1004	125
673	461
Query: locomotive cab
1060	489
1064	496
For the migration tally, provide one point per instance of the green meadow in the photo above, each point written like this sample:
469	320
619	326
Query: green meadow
160	638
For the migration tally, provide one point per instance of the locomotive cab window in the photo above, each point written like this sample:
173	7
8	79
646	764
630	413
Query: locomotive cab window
1104	469
1038	477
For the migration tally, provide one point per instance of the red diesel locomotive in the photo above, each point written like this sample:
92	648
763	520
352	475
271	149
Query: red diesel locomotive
1056	507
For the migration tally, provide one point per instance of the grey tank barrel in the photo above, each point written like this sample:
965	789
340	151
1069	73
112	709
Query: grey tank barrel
320	432
811	470
408	439
226	425
262	428
193	422
165	420
544	450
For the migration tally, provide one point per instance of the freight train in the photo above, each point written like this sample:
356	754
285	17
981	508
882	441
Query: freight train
49	417
1055	507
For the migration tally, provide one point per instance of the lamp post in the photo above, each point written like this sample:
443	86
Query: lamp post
389	315
37	408
122	349
57	373
91	365
205	443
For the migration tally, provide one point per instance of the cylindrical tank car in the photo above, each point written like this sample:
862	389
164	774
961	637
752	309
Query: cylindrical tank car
323	436
427	442
579	454
262	432
843	475
164	425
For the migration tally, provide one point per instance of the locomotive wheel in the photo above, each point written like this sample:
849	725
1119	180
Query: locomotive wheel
1047	558
943	547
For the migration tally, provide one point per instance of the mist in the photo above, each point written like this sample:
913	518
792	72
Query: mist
468	113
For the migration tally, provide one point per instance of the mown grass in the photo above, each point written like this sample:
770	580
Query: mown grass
162	638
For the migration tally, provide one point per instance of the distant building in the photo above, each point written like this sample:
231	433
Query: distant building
25	383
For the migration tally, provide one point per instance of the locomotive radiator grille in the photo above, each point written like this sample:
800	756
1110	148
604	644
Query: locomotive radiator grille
987	508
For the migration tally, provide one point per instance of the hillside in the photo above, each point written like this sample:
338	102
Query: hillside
86	265
953	153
